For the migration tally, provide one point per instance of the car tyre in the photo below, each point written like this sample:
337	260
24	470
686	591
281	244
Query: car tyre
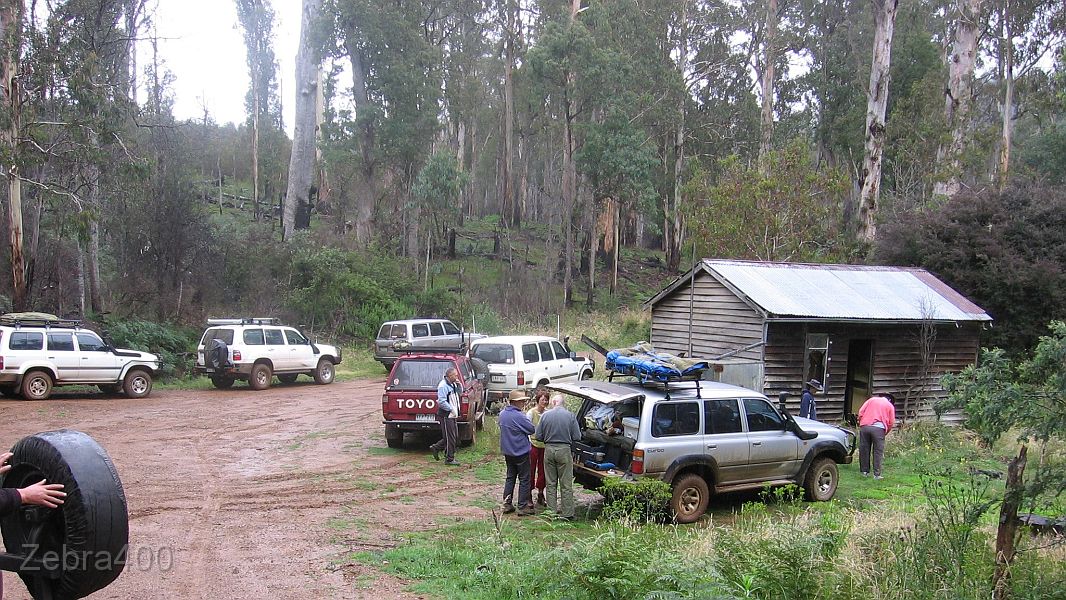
37	385
260	377
471	437
92	524
820	484
287	379
137	384
324	372
690	498
221	382
586	375
393	436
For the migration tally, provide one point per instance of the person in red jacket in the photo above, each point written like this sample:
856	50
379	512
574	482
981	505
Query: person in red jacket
41	493
877	416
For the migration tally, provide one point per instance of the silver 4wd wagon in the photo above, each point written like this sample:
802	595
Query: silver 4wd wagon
257	349
701	437
39	351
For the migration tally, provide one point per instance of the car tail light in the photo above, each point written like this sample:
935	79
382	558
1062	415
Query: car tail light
521	378
236	355
637	465
384	399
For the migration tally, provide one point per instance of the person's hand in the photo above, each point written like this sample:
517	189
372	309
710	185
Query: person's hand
4	467
43	493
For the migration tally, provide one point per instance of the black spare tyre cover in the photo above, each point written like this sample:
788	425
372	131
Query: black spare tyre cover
89	534
216	353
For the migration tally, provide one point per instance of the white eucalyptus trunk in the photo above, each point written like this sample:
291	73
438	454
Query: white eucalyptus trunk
958	93
876	104
302	160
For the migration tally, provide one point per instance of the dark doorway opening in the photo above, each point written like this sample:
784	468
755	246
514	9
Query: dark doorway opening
860	376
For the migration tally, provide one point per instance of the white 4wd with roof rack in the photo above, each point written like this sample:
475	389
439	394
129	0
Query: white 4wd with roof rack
256	349
39	351
523	362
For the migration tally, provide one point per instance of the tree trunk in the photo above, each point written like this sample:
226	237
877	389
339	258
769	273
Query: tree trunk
957	94
1008	99
11	32
302	160
1008	525
366	192
876	104
507	200
767	80
255	141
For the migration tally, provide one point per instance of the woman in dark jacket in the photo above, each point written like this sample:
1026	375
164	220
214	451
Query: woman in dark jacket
808	410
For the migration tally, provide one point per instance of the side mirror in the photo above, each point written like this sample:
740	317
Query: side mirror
573	356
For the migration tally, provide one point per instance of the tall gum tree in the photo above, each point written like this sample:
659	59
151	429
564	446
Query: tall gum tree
966	26
876	105
11	12
304	137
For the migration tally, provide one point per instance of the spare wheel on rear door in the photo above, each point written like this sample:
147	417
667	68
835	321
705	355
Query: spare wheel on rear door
89	533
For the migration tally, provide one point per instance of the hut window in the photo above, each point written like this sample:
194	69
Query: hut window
817	357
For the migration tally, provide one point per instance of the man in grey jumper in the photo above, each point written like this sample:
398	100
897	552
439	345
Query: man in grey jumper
558	430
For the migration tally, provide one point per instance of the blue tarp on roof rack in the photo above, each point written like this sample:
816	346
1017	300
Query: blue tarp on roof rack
644	362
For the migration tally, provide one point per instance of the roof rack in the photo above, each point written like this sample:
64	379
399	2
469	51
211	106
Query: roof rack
245	321
407	348
665	381
36	319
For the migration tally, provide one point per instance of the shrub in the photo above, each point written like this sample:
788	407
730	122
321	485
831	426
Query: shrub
643	501
173	343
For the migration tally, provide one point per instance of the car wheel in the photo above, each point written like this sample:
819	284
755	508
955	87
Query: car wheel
36	385
91	528
471	437
393	436
586	375
820	484
324	372
137	384
690	498
287	379
110	388
222	383
260	376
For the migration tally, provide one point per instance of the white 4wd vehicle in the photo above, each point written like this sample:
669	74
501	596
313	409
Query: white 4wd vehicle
702	438
523	362
39	351
254	350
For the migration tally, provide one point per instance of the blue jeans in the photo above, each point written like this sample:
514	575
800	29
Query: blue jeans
517	468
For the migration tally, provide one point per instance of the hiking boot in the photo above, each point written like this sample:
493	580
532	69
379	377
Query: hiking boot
878	477
452	463
540	499
436	454
525	511
508	508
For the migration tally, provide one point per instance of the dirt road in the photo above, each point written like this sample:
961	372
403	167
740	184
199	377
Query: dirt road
243	494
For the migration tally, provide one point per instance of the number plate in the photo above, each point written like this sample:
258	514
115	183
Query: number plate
497	379
426	418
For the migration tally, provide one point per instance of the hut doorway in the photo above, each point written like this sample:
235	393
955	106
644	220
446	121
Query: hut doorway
860	376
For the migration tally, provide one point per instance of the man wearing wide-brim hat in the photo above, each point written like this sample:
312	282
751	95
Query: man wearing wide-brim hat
515	429
808	410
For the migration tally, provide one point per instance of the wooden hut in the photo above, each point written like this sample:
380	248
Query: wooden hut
857	329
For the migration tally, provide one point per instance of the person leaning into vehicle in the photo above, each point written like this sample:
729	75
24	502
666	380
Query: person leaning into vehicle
515	429
558	430
448	391
41	493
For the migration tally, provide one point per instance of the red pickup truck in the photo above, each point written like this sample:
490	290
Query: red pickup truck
409	403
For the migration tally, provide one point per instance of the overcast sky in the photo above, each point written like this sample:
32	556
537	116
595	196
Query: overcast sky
203	47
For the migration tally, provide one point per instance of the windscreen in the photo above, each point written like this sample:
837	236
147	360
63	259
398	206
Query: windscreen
419	374
500	354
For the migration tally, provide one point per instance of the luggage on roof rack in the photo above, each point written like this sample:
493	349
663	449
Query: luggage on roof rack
245	321
648	366
37	319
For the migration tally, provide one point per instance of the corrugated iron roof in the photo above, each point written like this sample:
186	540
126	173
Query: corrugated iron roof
845	292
